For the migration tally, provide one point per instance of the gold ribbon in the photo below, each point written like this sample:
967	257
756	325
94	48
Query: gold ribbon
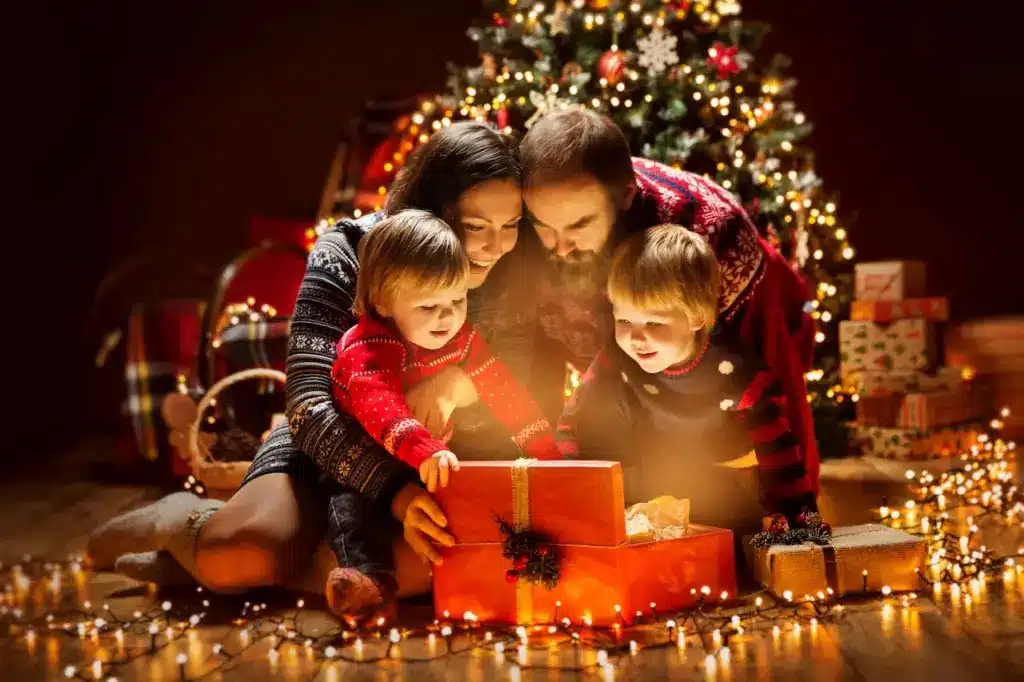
521	522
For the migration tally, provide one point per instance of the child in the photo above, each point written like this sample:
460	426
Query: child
681	404
411	299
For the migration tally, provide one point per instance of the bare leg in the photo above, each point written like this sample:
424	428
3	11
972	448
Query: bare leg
266	534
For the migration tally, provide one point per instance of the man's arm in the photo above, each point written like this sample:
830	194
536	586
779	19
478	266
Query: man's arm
508	401
786	487
596	420
323	312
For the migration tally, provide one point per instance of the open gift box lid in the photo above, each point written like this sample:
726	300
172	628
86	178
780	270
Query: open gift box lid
571	501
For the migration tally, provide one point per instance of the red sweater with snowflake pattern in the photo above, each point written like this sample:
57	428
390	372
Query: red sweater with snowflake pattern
375	367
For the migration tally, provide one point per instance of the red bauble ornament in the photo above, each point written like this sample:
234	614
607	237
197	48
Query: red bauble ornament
723	59
543	550
502	118
499	20
825	527
779	525
612	66
803	518
520	563
511	576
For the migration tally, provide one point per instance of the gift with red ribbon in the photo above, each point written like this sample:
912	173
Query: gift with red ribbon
539	541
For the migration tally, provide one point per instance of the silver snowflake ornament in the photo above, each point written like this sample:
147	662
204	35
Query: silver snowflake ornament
657	51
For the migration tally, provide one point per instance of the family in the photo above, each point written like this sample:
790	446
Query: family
441	329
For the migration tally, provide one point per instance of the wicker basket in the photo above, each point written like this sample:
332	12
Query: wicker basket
221	476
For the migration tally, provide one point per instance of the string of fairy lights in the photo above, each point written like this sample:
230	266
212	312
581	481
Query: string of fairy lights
43	600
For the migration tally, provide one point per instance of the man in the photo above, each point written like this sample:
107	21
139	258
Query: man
584	193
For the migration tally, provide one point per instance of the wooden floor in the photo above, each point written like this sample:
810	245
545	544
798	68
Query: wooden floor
49	515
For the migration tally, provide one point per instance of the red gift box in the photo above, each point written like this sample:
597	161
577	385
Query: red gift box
579	505
925	411
880	410
934	309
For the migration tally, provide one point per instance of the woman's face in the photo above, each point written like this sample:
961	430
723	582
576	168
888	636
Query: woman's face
489	215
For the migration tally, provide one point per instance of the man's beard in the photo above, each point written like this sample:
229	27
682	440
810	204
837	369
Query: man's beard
586	272
580	273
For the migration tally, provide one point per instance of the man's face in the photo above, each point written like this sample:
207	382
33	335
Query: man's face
573	218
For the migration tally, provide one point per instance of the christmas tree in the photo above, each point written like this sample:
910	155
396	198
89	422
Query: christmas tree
681	80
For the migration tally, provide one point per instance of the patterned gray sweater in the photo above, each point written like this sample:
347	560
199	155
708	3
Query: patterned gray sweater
323	312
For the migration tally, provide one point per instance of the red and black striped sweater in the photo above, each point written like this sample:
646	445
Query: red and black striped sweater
718	408
375	367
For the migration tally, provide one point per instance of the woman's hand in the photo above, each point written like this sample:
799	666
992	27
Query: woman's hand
433	400
423	522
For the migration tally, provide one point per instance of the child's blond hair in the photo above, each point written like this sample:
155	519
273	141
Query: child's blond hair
667	268
410	250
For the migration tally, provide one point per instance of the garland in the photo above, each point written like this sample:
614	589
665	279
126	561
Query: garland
809	528
534	556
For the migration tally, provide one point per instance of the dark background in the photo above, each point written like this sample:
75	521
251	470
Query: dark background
167	125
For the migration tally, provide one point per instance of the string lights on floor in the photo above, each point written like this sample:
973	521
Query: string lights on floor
43	600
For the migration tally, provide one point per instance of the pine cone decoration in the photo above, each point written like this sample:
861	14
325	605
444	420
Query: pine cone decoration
234	445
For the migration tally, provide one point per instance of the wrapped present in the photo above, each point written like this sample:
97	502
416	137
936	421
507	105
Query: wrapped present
906	344
924	411
879	410
859	559
870	383
541	541
893	280
907	444
935	309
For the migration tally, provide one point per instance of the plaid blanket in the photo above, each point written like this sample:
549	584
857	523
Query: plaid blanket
161	349
259	343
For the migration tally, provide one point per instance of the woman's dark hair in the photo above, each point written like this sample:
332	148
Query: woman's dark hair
454	159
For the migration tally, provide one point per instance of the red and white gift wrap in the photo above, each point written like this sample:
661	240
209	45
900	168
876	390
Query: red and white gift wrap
879	410
935	309
892	280
579	505
870	383
906	344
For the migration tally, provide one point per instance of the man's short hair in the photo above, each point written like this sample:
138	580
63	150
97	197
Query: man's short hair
571	142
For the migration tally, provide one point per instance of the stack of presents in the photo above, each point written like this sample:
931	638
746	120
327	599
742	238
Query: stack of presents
911	405
543	541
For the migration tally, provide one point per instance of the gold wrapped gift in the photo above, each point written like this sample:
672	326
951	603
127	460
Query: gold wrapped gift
888	555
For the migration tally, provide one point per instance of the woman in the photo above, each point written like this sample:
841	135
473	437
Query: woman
267	532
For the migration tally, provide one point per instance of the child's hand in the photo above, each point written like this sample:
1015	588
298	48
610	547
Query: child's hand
436	469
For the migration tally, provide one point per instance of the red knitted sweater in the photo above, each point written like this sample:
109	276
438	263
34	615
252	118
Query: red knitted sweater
375	367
